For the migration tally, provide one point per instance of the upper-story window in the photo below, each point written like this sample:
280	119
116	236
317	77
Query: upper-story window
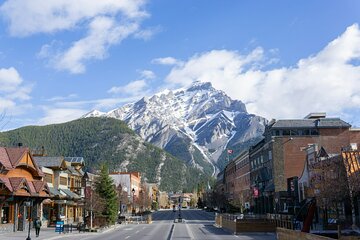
63	181
48	178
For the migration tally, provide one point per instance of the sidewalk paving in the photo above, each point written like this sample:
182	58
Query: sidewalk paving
50	234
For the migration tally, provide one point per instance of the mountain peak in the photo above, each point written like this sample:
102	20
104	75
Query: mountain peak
94	113
197	85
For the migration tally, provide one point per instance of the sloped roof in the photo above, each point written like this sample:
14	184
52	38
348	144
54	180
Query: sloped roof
311	123
75	160
10	158
70	193
38	185
7	183
4	159
55	192
16	182
50	162
15	154
72	170
31	187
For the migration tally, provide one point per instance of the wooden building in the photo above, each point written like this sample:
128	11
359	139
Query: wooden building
22	188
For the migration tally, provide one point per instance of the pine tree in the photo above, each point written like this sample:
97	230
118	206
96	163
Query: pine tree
105	188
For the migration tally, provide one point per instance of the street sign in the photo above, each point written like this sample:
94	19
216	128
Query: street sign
59	227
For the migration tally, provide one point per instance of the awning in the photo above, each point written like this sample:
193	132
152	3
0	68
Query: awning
70	193
55	192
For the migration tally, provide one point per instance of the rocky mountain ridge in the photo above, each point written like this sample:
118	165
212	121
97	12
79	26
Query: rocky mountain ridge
196	124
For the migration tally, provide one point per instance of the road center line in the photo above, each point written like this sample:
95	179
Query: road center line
127	237
171	232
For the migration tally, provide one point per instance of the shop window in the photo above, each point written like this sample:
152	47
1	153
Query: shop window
5	213
286	132
294	132
314	132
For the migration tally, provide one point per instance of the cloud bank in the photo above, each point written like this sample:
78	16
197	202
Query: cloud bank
326	81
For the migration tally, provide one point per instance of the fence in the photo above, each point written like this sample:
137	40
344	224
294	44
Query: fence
244	223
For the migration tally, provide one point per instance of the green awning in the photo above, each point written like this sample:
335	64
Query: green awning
70	193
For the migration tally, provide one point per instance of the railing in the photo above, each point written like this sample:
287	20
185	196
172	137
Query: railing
283	221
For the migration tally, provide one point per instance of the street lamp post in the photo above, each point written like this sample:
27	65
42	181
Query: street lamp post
28	204
133	191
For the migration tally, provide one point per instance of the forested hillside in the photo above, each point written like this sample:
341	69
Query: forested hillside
108	140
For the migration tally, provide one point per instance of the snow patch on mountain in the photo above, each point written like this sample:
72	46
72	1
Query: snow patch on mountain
198	117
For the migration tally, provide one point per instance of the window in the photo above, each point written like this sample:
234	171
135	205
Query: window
48	177
314	132
286	132
270	155
294	132
63	181
261	159
353	146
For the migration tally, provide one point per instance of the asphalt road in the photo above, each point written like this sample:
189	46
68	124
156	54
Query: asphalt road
196	225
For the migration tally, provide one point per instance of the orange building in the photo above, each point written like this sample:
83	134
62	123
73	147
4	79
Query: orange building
22	188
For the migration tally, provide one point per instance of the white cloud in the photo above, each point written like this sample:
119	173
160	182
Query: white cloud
107	22
13	91
132	88
327	81
147	74
9	79
103	32
62	98
37	16
166	61
60	115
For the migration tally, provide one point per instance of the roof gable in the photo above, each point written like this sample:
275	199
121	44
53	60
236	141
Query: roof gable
18	183
4	159
15	154
7	183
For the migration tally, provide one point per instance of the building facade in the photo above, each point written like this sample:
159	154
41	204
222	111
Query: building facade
281	155
22	188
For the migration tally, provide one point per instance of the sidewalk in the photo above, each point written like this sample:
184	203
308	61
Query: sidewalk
50	234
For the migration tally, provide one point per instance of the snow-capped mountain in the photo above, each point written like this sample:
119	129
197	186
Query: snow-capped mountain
196	124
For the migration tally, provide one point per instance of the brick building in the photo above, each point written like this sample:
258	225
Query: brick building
237	181
281	154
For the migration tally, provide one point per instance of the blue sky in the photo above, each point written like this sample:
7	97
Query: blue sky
60	59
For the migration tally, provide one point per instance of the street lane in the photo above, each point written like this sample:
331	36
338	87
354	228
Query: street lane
196	225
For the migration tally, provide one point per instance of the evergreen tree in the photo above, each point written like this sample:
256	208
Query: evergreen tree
105	188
